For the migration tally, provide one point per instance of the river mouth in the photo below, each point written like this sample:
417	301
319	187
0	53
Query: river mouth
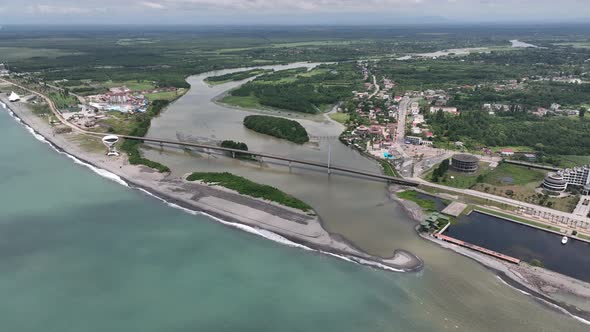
360	211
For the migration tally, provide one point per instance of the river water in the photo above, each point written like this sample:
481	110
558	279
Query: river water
452	292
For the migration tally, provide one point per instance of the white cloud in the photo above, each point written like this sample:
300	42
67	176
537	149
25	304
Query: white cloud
50	9
152	5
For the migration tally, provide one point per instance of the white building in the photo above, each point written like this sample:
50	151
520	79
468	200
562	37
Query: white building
13	97
414	108
452	110
559	181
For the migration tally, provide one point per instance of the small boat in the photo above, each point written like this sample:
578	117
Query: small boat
564	240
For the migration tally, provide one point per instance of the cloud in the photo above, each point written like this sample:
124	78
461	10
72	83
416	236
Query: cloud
285	5
290	11
62	9
152	5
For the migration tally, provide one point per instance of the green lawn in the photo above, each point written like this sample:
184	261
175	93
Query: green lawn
387	168
340	117
131	85
509	174
503	175
412	195
63	101
573	161
166	95
245	102
250	188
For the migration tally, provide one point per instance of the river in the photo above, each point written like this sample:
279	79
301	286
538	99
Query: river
451	292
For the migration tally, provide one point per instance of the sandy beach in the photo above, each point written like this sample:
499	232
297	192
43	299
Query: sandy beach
569	294
294	225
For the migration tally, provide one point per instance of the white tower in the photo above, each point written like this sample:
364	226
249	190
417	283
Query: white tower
110	142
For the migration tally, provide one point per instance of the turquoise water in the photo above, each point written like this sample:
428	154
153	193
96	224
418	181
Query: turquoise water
82	253
79	252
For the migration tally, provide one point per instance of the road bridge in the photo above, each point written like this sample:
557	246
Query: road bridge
329	167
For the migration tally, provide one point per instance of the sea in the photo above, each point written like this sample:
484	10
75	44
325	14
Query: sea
82	251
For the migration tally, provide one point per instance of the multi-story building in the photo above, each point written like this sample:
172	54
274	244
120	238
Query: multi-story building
577	177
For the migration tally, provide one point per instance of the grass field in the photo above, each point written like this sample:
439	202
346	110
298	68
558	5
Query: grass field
167	95
120	123
63	101
503	175
509	174
387	168
511	181
340	117
573	161
89	143
412	195
132	85
250	188
245	102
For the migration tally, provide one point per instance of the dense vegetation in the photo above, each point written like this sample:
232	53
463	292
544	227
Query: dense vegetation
440	171
485	68
237	146
557	135
247	187
297	90
238	76
141	126
532	96
62	100
278	127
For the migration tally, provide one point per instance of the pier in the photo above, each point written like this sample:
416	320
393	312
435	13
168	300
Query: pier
478	248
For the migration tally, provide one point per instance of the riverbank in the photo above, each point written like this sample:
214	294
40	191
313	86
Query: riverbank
552	288
298	227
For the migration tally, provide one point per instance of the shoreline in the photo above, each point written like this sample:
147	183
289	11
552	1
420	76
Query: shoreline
227	208
541	284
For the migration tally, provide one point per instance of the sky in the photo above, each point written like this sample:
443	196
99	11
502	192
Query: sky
235	12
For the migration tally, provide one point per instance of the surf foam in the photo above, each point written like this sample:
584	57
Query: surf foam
553	305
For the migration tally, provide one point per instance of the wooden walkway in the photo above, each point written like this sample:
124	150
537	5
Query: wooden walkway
478	248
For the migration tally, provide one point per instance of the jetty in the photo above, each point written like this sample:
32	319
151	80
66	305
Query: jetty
477	248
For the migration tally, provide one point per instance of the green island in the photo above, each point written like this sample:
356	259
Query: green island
238	76
237	146
290	130
250	188
297	89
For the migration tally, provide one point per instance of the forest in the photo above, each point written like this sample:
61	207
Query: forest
278	127
297	90
533	95
558	135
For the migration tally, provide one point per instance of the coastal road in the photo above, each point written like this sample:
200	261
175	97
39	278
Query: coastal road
508	201
407	163
402	114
